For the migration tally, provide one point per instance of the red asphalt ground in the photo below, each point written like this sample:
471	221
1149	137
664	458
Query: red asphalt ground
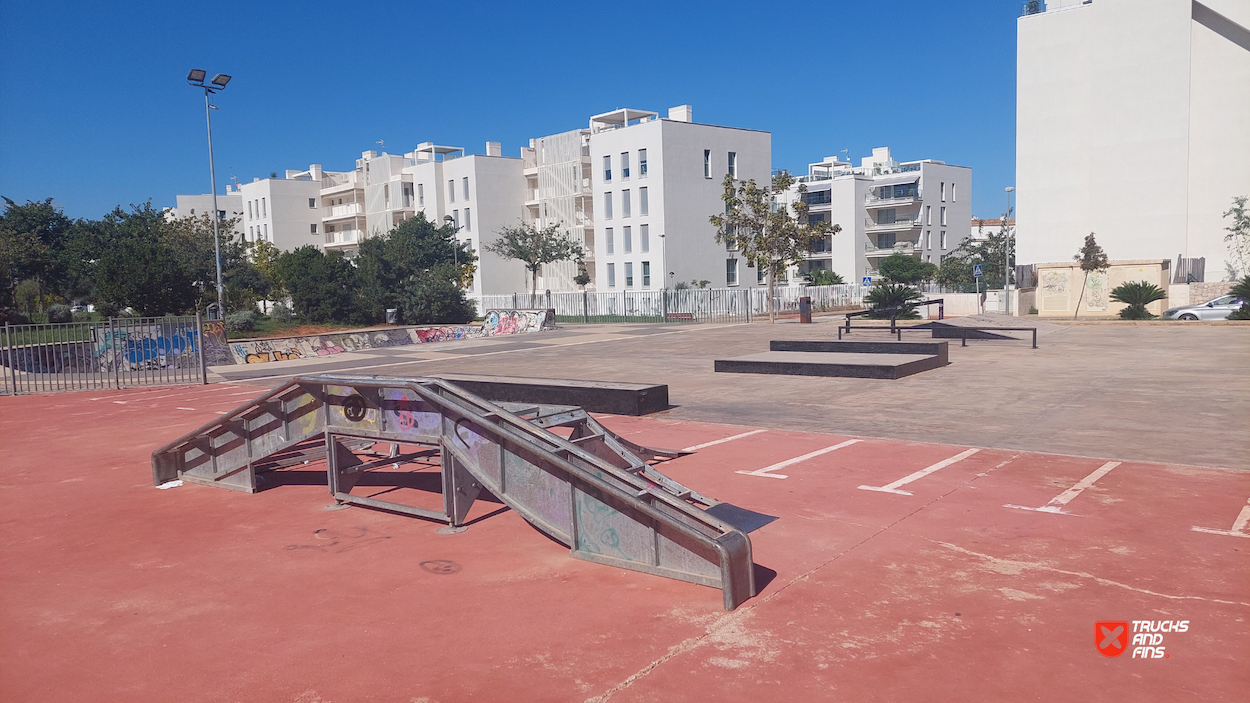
111	590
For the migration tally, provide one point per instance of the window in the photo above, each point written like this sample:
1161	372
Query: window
312	202
250	234
817	197
607	168
733	164
887	217
646	274
643	206
312	229
451	191
455	218
249	210
407	194
928	214
943	188
952	192
386	196
607	240
886	240
707	163
607	206
628	240
611	275
759	275
928	239
468	221
625	164
731	272
642	163
942	239
624	203
943	216
644	238
421	195
264	208
267	232
466	187
629	274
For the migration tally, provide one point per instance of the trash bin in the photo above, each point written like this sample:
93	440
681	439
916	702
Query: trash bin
805	310
392	316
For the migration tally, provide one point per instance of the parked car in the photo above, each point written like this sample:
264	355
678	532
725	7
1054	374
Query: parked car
1218	309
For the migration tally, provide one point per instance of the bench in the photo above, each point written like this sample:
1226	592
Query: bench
689	316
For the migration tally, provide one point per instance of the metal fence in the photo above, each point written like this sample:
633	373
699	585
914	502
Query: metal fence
673	305
118	353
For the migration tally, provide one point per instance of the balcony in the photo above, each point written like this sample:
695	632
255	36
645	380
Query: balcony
872	251
896	226
343	237
346	210
874	202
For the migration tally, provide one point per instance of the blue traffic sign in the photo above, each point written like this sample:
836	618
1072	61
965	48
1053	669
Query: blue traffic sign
976	271
868	280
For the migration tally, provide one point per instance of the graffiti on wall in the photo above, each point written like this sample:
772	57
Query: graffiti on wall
125	347
497	322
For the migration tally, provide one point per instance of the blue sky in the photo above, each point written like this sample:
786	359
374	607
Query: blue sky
94	110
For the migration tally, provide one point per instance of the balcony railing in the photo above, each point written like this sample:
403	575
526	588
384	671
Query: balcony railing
900	248
872	201
343	236
896	226
346	210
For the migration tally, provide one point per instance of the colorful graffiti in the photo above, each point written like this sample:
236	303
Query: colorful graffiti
122	346
497	322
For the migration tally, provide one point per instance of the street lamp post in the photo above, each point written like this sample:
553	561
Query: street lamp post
456	247
1007	252
196	79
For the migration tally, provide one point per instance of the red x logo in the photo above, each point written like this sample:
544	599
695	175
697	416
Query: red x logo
1111	638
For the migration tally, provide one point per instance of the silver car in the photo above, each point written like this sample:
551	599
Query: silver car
1218	309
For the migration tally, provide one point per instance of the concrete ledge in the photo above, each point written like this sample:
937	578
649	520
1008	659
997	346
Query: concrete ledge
593	396
938	349
846	365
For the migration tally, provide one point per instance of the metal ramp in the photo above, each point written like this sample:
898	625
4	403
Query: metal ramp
592	491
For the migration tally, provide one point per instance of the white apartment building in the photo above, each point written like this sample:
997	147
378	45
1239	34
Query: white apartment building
655	182
229	205
282	211
558	192
1133	122
885	207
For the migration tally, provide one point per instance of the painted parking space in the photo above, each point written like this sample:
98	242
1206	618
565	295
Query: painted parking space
865	594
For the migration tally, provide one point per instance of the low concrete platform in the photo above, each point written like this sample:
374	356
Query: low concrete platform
595	396
846	365
938	349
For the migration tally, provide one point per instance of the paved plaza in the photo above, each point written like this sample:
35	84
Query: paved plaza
955	531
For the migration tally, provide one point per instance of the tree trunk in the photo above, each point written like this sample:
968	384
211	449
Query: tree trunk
1080	297
533	287
771	318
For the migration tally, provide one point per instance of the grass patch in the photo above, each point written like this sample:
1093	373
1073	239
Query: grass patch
269	327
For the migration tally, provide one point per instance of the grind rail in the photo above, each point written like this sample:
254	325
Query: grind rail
593	491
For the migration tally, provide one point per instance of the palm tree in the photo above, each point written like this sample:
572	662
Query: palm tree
1137	295
887	299
1241	290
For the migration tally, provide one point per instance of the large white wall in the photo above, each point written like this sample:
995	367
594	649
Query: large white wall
496	200
1128	117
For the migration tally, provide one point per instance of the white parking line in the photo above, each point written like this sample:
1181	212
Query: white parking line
781	465
1057	503
893	487
1239	525
184	408
705	445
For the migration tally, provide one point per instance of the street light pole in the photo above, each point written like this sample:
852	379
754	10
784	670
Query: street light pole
1007	252
196	78
456	247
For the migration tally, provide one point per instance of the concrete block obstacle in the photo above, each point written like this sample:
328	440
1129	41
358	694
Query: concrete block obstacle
885	360
592	396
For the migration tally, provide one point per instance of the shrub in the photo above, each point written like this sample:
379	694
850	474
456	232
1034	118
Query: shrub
824	277
905	268
242	321
432	297
83	316
887	298
280	312
1137	295
13	316
1241	290
59	313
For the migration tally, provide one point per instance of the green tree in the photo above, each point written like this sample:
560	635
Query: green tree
33	239
1238	238
988	249
1242	291
138	269
264	257
322	285
1092	258
190	239
907	269
388	263
434	296
896	300
535	247
1137	295
824	277
770	235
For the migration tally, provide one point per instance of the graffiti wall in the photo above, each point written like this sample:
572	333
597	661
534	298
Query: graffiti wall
124	346
496	323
